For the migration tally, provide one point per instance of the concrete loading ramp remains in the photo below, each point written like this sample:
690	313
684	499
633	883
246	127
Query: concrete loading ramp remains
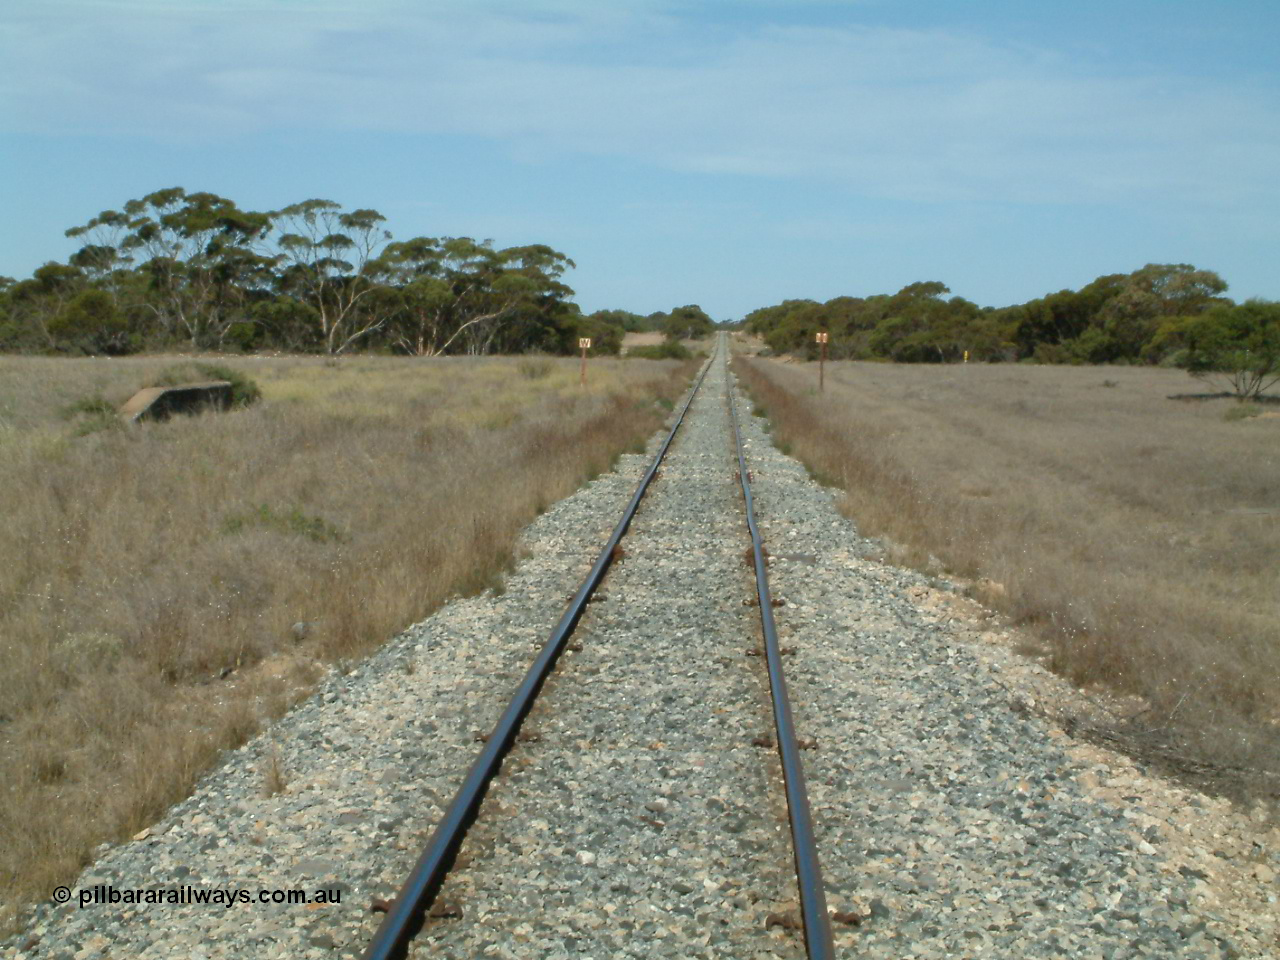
160	403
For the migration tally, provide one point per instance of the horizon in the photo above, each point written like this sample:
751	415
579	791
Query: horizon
730	155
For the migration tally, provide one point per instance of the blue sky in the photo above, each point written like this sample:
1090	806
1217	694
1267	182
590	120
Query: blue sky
731	153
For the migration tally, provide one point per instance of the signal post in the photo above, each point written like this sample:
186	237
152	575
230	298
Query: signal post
585	344
821	340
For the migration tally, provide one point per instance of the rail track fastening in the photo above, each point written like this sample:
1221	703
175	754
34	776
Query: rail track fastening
405	915
813	897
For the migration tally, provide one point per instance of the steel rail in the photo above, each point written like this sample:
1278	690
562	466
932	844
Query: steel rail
813	898
405	916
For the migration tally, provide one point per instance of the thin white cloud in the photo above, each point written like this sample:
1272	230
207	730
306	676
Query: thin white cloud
924	115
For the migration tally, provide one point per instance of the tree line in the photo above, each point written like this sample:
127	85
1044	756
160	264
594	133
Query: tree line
1168	314
195	271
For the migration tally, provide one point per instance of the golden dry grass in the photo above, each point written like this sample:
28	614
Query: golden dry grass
152	576
1139	534
653	338
647	338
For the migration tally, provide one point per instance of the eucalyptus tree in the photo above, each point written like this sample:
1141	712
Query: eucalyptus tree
690	322
34	304
529	299
457	293
332	259
1237	344
311	276
104	257
1130	319
197	251
628	321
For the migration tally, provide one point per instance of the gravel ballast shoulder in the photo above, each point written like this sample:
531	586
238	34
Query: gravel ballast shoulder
642	813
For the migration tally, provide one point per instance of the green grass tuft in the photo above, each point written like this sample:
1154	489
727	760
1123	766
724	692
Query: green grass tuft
292	521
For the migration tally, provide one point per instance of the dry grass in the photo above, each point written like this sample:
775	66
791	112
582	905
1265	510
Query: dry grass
1139	534
648	338
167	589
654	338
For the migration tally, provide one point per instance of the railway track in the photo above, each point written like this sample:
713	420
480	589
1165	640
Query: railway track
643	810
421	893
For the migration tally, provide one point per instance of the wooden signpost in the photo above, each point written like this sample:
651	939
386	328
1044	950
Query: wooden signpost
585	344
821	340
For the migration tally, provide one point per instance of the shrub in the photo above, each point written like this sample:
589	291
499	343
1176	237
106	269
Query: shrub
243	336
1094	345
244	390
92	324
690	322
1050	353
667	350
1238	345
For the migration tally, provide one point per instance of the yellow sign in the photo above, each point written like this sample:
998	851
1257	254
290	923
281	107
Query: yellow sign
821	338
584	343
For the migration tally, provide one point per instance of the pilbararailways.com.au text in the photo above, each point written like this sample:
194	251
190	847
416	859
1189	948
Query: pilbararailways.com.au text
101	895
